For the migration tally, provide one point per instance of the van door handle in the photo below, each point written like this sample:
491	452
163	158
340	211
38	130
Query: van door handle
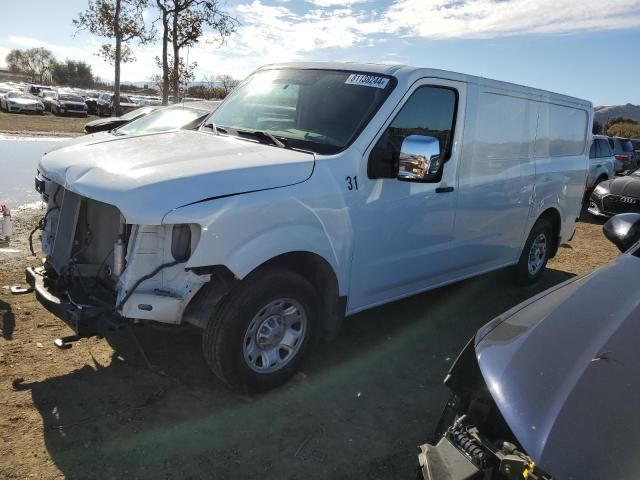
444	189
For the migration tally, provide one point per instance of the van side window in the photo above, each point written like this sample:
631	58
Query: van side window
561	131
429	111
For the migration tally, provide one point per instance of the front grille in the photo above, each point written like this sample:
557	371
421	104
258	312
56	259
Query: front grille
619	204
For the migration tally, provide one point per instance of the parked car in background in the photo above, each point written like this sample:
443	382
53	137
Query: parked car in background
36	89
6	87
636	144
178	116
109	123
21	102
289	208
618	195
601	162
173	117
68	104
625	158
164	119
91	101
47	97
104	105
548	389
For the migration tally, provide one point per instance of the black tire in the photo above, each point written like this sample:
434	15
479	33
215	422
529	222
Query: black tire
522	273
224	335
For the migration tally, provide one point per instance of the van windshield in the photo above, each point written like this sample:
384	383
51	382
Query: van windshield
318	110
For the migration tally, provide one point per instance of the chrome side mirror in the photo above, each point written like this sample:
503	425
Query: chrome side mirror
623	230
419	159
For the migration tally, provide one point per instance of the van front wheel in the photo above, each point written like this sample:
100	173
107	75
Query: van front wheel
535	254
260	332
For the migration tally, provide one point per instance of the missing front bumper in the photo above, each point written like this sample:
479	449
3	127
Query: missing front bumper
85	321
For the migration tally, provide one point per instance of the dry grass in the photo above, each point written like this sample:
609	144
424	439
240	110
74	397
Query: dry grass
47	123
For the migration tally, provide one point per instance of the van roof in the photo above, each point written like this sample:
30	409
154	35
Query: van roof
409	74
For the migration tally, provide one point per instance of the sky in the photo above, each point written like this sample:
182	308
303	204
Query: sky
584	48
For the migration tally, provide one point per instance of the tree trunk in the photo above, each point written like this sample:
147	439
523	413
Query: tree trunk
118	35
165	60
175	80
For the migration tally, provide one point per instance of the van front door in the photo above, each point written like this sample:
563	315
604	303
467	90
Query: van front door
403	230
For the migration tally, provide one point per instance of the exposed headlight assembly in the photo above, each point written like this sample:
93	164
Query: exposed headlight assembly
600	191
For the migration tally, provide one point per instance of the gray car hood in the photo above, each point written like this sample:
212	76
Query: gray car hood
563	370
627	186
147	176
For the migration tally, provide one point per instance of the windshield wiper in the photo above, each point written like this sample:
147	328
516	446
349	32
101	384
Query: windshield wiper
257	134
274	140
266	135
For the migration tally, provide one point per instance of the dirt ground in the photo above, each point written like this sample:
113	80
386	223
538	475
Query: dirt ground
358	410
47	123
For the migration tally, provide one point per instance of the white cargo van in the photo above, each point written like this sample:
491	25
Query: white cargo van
315	191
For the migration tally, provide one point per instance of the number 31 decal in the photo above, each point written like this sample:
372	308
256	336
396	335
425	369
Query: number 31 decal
352	183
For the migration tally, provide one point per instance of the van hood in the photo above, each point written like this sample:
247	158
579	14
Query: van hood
148	176
563	371
83	140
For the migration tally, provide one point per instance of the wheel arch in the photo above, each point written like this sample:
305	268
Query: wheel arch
322	276
311	266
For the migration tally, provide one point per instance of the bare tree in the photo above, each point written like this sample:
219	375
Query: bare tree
210	79
228	83
158	81
183	23
35	62
184	74
122	21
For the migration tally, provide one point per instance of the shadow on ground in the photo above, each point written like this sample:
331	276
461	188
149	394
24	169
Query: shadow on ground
586	217
359	409
8	320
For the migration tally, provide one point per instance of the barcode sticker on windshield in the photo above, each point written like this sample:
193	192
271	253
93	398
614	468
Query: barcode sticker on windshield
367	80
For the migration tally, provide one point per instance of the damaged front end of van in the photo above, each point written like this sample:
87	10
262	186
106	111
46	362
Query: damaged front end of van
115	244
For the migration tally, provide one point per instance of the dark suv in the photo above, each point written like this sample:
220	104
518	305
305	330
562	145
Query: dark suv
625	158
104	105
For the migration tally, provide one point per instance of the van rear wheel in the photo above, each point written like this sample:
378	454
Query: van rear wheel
261	331
535	254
